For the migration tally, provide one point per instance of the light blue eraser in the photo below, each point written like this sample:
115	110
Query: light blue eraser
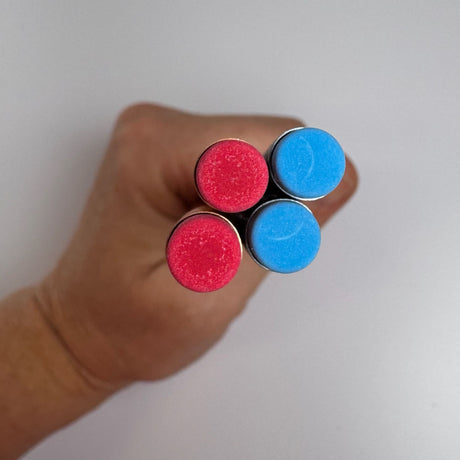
283	236
307	163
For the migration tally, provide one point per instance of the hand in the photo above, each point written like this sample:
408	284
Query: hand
111	298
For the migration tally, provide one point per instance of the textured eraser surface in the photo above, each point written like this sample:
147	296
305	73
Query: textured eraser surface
231	175
283	236
307	163
204	252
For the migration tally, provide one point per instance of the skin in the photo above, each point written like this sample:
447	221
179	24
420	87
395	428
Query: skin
110	312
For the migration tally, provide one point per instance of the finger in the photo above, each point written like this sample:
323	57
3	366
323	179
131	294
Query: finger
161	147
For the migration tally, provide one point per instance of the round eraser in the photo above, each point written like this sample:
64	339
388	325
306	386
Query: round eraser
307	163
204	252
283	236
231	175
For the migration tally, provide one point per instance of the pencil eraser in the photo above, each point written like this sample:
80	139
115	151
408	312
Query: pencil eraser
204	252
307	163
231	175
283	236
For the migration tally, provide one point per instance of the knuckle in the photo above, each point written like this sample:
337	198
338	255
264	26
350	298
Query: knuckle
140	124
146	125
134	111
134	129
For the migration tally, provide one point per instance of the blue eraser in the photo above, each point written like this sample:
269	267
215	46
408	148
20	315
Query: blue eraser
283	236
307	163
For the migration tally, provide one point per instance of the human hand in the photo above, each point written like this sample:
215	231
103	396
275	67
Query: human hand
111	298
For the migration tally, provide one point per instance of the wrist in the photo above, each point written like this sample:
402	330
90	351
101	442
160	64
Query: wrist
42	385
64	334
80	319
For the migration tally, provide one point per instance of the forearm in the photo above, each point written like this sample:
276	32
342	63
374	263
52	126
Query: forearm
42	386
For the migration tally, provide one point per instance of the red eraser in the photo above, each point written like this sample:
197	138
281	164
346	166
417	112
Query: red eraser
231	175
204	252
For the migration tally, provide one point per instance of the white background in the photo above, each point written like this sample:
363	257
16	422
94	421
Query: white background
358	356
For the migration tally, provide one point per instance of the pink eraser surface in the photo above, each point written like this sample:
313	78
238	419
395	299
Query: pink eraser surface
204	252
231	175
